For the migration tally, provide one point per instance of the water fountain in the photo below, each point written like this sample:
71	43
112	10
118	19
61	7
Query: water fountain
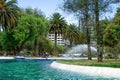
79	50
82	50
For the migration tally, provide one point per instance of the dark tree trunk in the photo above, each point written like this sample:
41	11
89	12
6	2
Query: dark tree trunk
36	47
87	30
55	41
88	44
55	45
70	44
99	36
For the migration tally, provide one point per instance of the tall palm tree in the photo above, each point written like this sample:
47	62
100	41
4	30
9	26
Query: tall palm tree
57	24
72	34
8	14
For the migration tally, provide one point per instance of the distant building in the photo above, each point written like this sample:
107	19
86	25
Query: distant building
60	40
82	27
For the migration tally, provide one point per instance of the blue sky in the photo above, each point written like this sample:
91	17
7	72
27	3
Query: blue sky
48	7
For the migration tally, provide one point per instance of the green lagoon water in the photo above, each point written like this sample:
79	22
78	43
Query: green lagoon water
38	70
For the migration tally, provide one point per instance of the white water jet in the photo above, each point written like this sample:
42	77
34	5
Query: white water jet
79	50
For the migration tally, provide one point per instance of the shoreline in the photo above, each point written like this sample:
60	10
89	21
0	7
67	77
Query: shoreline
88	70
7	57
49	58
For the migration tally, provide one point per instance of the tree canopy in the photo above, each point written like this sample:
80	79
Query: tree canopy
8	14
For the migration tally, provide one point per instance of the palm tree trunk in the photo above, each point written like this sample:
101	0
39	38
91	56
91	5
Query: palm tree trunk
55	45
70	44
55	40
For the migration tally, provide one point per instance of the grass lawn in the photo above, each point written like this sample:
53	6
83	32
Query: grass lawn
115	63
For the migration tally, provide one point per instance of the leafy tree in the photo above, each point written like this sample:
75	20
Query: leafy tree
86	8
61	49
25	30
81	38
31	26
8	41
45	45
112	31
28	28
111	38
82	9
116	19
104	23
57	24
29	11
72	34
111	34
100	6
38	14
8	14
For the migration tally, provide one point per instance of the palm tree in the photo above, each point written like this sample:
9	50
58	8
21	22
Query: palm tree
72	34
8	14
57	24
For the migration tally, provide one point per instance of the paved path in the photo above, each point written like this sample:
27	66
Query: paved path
88	70
2	57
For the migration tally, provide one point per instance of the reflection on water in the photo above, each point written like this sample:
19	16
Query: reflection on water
38	70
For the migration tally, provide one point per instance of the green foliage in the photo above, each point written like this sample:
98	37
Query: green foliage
25	29
57	23
57	26
35	12
8	41
73	35
61	49
74	6
113	52
29	27
45	45
29	45
79	7
112	32
8	14
111	38
116	20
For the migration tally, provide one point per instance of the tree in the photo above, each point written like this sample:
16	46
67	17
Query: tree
29	27
8	41
111	35
72	34
100	6
81	8
86	8
25	30
41	24
8	14
112	39
57	24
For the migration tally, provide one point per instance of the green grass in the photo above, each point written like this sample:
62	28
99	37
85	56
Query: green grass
106	63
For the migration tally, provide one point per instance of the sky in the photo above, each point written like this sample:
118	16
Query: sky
48	7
